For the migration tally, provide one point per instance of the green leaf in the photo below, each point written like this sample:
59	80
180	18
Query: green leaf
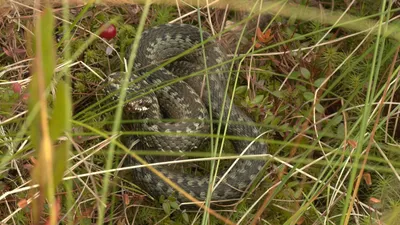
308	96
292	184
171	198
258	99
298	193
295	74
42	71
34	129
166	207
174	205
185	217
288	31
319	82
328	130
319	108
336	120
301	88
277	94
241	90
340	131
62	111
299	37
305	73
47	53
276	120
60	161
292	19
162	199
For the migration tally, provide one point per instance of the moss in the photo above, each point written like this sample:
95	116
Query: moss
279	102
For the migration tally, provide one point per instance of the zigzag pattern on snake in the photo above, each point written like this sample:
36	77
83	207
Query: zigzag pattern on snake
185	100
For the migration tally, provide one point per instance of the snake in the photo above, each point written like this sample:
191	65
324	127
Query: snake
187	73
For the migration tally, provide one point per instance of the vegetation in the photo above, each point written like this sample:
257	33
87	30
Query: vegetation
322	81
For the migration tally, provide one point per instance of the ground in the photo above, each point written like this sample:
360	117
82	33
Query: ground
321	80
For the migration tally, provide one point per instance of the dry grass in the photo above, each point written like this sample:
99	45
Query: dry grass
324	86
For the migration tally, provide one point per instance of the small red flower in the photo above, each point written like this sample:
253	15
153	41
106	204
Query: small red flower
16	88
25	97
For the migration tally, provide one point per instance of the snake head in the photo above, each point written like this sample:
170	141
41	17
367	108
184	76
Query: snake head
138	105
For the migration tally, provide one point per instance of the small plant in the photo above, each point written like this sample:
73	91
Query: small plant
171	206
162	14
322	85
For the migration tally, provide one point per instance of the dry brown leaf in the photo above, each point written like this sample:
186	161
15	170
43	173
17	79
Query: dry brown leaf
264	37
367	178
353	143
22	203
374	200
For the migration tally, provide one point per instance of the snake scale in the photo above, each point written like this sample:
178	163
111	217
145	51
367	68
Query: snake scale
187	99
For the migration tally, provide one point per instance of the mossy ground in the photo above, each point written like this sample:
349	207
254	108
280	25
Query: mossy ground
305	84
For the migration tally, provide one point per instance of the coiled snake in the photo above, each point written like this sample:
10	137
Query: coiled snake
185	100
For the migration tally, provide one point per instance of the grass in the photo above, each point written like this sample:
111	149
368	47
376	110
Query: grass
322	83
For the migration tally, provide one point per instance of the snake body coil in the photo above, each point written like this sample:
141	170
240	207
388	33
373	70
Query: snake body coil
182	100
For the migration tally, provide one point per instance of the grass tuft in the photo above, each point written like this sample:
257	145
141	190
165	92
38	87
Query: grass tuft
320	80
